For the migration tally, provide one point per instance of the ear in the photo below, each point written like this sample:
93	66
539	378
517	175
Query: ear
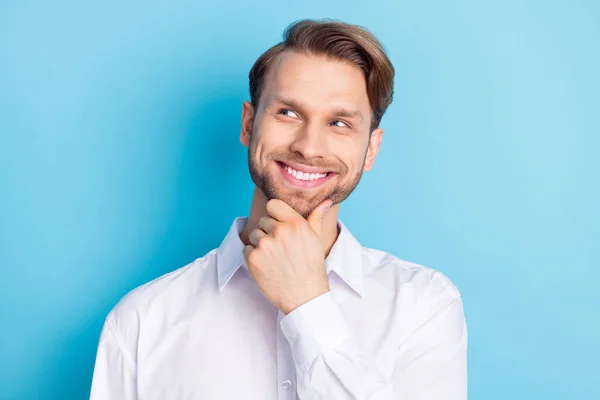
373	149
247	120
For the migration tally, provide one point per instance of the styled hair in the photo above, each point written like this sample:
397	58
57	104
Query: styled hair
340	41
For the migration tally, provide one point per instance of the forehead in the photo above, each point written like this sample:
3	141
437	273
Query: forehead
316	81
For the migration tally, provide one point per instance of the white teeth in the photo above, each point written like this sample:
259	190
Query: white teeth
304	176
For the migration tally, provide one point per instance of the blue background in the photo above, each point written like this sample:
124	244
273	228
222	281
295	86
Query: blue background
120	161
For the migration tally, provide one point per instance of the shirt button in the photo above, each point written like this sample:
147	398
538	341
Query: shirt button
286	385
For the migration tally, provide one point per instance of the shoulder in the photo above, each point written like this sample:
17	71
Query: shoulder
420	280
419	295
161	296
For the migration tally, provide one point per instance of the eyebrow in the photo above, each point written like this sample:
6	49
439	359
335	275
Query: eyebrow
337	111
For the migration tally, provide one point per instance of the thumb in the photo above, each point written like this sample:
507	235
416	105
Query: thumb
315	219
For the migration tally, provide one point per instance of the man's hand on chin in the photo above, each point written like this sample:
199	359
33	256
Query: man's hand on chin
286	257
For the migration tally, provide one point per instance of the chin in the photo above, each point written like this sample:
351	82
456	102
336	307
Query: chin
301	206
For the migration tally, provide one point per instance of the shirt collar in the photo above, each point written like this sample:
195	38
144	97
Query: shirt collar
345	257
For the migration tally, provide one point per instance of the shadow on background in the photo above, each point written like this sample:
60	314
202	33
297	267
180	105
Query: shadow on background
209	172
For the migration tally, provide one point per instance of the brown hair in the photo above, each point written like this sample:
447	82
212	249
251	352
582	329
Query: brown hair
341	41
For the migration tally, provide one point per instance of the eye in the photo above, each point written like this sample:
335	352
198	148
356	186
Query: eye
336	122
288	113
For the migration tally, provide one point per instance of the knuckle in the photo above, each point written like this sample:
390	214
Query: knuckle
297	224
255	237
278	230
262	242
262	222
252	257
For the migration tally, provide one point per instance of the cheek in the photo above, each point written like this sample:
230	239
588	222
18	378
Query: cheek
352	160
271	142
257	142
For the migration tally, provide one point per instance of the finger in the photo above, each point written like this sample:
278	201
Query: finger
255	236
315	219
267	224
246	251
281	211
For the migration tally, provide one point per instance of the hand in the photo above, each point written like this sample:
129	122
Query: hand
287	258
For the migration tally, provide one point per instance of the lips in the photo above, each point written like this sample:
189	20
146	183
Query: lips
305	168
304	176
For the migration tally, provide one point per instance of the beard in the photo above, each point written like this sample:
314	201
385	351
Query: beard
301	200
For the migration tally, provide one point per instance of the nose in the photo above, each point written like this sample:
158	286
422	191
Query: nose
309	142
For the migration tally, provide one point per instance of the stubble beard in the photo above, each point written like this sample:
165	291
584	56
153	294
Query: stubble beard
297	199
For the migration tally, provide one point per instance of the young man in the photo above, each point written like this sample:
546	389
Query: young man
291	305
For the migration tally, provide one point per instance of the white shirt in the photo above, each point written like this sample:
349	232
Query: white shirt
388	329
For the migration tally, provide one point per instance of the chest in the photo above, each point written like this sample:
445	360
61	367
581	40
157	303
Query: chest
232	347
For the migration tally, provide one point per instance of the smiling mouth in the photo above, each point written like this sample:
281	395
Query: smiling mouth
303	176
306	178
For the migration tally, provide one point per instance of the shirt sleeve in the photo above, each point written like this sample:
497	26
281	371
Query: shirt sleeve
115	370
329	364
430	364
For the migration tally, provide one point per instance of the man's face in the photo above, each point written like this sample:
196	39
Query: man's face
309	140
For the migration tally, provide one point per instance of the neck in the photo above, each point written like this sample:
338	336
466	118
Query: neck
258	209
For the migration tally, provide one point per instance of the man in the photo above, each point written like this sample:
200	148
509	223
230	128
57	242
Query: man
291	305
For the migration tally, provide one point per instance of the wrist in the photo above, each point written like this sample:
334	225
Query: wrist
291	305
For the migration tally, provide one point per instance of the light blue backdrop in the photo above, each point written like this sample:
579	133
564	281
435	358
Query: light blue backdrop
120	161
